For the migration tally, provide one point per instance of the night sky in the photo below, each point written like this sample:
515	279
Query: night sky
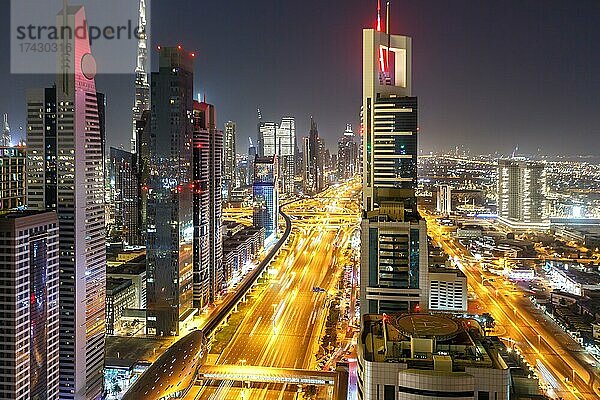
489	75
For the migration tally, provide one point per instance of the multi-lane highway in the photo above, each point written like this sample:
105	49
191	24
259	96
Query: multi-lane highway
284	325
561	362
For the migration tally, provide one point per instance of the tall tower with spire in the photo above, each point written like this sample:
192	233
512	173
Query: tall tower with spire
6	139
142	87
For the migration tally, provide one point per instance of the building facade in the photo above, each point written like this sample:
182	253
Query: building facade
522	192
29	281
120	295
142	86
170	228
124	183
208	235
444	199
286	152
347	157
229	158
13	178
447	290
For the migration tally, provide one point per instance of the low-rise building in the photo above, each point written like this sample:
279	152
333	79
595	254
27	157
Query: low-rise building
426	356
133	269
120	295
241	245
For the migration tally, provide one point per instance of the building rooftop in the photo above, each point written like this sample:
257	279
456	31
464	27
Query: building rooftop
115	285
426	341
135	266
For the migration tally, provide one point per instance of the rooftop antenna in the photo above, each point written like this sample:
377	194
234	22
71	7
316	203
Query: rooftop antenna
378	15
389	33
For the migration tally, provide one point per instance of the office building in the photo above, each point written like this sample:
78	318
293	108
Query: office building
208	248
5	140
13	178
134	270
444	199
347	157
142	86
66	173
394	256
229	158
522	193
170	225
286	154
447	290
264	195
29	282
267	137
428	356
313	161
252	153
124	185
120	295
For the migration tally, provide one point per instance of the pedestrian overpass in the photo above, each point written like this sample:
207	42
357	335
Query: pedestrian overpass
301	377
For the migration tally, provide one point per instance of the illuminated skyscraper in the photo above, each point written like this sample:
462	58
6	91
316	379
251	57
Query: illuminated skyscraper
13	178
125	185
347	157
265	196
229	159
142	87
208	241
522	193
29	315
66	174
394	270
6	138
286	152
444	199
313	161
170	225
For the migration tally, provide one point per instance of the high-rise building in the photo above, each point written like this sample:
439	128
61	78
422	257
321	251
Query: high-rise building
286	154
522	193
265	196
170	224
347	157
142	86
252	153
42	169
6	138
208	241
13	178
66	174
29	316
313	161
124	184
229	158
394	256
444	199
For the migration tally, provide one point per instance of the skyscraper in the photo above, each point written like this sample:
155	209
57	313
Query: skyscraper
13	178
394	267
142	87
125	186
66	174
170	225
208	241
29	315
444	199
286	152
6	138
265	196
314	161
522	192
347	158
229	159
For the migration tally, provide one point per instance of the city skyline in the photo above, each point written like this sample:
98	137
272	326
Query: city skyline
458	43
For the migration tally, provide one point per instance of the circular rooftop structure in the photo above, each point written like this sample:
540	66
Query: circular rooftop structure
441	327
